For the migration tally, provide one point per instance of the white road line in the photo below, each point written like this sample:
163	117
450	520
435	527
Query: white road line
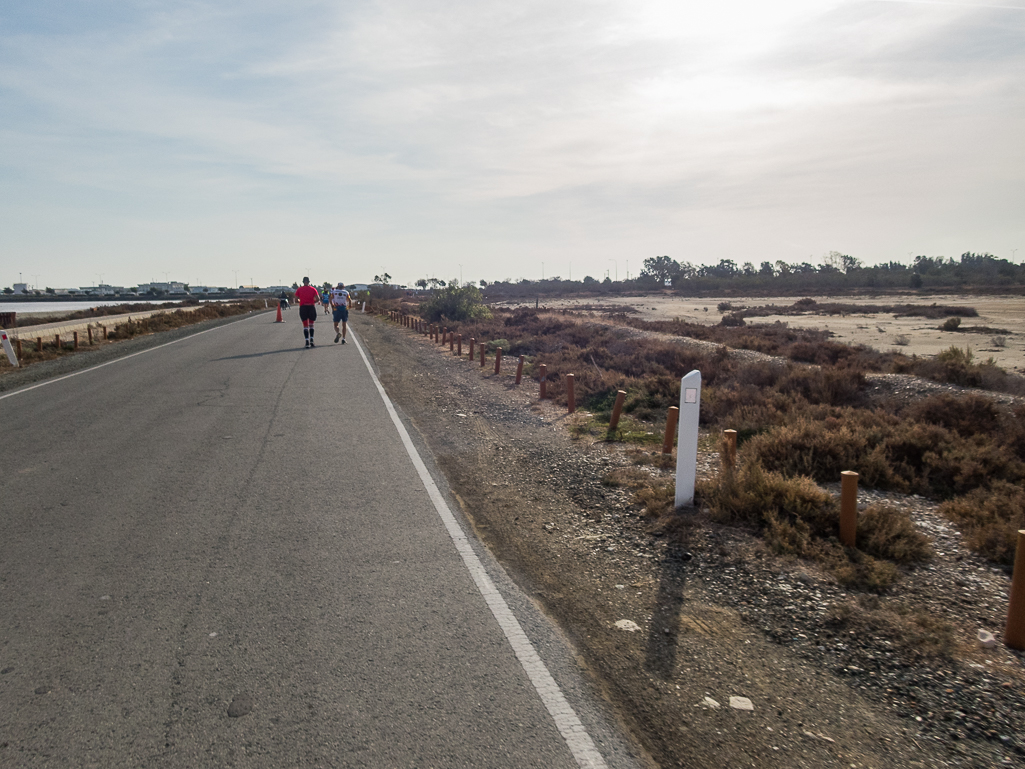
118	360
573	732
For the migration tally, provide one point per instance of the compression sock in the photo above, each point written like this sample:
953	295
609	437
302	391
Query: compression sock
306	333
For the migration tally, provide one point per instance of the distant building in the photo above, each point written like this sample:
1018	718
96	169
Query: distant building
20	288
174	287
102	290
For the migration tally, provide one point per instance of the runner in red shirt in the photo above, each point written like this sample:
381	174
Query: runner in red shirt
308	298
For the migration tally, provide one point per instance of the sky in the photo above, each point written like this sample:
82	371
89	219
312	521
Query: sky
229	143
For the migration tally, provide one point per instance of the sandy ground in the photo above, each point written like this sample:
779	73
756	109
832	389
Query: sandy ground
879	331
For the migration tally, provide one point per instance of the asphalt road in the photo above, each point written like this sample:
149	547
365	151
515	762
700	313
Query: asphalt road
220	552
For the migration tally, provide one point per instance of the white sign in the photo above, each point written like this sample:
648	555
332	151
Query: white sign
9	349
687	440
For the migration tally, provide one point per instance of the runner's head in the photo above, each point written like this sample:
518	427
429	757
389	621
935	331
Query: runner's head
306	281
341	285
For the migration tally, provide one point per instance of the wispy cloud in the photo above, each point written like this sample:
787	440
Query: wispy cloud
459	129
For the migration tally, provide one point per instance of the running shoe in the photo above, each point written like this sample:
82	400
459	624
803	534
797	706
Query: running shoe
337	337
307	345
343	341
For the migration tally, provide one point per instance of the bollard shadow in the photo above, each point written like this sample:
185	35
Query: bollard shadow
664	634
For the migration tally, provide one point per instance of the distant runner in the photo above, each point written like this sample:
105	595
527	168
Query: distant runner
308	298
340	303
325	297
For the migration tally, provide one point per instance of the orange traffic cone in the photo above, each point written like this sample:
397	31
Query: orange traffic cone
280	319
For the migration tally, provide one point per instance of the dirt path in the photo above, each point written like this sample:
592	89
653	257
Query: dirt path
711	608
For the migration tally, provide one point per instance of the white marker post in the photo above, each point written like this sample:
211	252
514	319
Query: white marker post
9	349
687	442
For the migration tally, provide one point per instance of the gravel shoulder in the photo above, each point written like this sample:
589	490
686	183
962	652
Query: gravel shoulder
711	614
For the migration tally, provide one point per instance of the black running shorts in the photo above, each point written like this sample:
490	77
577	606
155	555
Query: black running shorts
308	312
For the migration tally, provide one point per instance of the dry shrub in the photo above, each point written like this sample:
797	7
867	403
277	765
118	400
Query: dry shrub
830	386
888	532
658	498
797	518
887	452
967	414
918	633
626	477
656	494
822	449
855	569
755	496
990	519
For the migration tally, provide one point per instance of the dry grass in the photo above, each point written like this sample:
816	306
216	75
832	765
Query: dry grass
798	425
798	518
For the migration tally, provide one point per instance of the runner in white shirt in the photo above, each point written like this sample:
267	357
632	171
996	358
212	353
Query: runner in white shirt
340	306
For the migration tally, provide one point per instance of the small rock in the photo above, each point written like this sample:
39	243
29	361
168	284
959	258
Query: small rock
242	705
43	690
741	703
812	736
708	702
629	625
986	639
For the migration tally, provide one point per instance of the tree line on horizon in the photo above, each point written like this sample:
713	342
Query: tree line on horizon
837	272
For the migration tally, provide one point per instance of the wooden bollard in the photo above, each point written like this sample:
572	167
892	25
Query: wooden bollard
76	341
1014	631
472	340
57	341
459	345
519	370
617	410
104	333
39	344
90	333
498	361
543	384
848	508
729	439
571	395
17	342
672	419
444	335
